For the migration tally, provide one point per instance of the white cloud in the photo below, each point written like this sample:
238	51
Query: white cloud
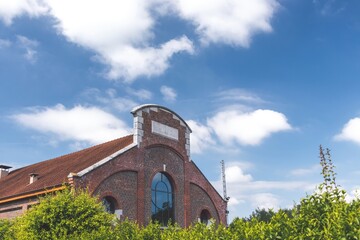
245	166
354	194
234	201
142	94
29	46
128	62
200	138
119	32
235	174
265	200
14	8
329	7
238	94
118	103
169	94
4	43
228	21
350	132
80	124
109	99
240	183
306	171
247	193
122	33
280	185
249	128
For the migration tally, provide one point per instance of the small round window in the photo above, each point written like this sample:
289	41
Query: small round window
109	204
205	217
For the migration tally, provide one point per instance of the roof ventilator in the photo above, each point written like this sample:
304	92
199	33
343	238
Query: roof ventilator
4	171
33	177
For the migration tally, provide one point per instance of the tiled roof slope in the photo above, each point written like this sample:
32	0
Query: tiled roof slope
54	172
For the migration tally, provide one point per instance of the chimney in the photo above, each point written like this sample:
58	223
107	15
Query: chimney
33	177
4	171
71	178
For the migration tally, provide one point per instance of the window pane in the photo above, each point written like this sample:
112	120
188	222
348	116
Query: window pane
162	200
162	187
165	180
157	178
109	204
205	216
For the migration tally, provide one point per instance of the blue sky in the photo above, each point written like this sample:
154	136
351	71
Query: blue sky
262	84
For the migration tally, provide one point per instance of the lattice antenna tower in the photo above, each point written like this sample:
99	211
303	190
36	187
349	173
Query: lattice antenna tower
226	198
223	179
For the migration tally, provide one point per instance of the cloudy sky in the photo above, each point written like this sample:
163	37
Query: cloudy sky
262	83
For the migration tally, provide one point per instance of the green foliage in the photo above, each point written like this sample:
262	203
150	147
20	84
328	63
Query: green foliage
126	230
151	232
66	215
323	215
263	214
5	226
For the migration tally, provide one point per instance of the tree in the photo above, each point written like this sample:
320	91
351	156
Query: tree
68	214
323	215
5	226
262	214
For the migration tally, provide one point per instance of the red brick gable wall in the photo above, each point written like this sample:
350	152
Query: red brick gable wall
122	186
157	153
143	126
127	177
155	159
200	200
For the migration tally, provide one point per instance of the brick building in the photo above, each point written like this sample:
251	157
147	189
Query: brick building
144	176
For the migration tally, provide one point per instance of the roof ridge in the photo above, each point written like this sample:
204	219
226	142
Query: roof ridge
54	171
67	154
86	149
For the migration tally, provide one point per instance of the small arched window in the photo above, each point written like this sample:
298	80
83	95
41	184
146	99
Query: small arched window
109	204
162	200
205	217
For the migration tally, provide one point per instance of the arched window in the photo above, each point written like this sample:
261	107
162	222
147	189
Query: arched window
109	204
205	217
162	197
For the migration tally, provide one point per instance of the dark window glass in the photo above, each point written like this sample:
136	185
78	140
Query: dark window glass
109	204
162	206
205	216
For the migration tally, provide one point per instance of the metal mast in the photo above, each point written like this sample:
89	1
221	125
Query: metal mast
226	198
223	178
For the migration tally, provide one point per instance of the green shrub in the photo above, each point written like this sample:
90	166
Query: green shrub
65	215
68	215
5	226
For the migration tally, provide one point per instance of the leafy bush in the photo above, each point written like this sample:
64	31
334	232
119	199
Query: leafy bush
323	215
67	215
5	226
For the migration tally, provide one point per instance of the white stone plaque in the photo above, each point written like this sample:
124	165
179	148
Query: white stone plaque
164	130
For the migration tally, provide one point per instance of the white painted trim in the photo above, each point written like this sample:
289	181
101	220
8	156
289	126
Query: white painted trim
105	160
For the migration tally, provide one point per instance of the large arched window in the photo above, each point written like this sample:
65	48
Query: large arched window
162	200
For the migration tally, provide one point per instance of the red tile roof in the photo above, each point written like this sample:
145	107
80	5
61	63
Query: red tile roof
54	172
